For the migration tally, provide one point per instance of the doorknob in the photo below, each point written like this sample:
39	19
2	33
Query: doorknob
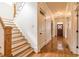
77	31
40	33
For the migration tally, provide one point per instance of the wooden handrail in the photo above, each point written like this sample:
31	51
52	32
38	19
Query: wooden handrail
2	23
15	8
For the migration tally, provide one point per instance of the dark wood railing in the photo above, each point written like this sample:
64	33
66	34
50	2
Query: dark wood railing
7	39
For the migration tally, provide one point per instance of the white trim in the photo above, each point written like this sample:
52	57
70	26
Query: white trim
59	22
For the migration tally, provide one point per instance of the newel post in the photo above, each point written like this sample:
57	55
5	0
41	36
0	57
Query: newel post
7	41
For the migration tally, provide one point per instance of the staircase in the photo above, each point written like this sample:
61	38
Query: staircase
20	45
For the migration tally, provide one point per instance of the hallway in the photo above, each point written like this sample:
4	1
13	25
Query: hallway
57	47
45	29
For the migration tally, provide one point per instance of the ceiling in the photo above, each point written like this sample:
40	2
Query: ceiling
57	7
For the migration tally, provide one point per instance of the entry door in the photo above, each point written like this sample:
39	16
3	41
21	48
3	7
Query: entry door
59	29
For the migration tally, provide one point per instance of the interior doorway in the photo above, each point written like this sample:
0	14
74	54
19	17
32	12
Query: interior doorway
59	29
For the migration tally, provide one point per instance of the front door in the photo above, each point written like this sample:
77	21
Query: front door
59	29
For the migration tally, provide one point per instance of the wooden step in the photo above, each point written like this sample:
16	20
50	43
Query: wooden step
15	31
26	53
20	43
15	28
20	51
9	23
18	38
16	35
21	46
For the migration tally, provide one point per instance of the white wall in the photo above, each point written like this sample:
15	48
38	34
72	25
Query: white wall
6	11
27	22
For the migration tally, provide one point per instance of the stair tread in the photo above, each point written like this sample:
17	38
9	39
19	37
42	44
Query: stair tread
21	46
19	51
18	41
15	45
26	53
18	38
23	52
15	36
8	23
15	31
11	25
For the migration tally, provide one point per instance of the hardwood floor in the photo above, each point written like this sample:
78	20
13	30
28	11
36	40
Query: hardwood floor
57	47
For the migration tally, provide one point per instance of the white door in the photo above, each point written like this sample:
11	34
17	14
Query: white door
42	29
